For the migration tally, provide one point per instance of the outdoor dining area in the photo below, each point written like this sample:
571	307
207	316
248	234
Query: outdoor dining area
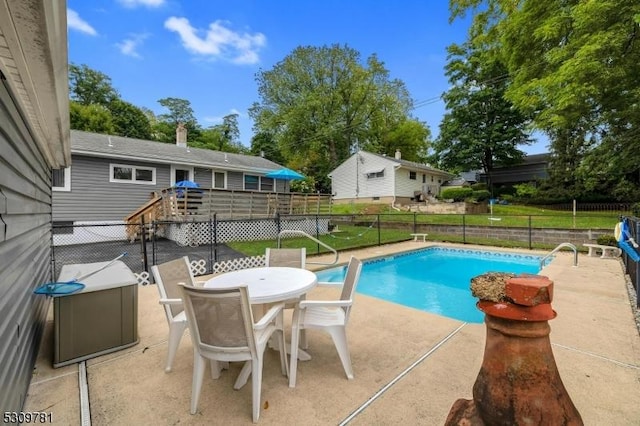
210	351
233	317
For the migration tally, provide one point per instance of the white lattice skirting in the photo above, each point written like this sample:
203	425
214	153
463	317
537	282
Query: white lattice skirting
198	233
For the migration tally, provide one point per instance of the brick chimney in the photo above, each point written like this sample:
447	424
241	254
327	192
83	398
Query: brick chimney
181	135
398	154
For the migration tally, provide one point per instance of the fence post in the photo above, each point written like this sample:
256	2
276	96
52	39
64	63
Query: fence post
415	224
464	230
215	238
317	232
378	228
210	264
278	224
154	227
143	241
530	231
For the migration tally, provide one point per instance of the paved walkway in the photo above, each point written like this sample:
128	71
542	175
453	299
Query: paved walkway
410	366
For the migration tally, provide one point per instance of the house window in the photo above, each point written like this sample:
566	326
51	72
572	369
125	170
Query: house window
266	184
219	180
432	179
61	179
251	183
424	178
412	175
180	173
132	174
375	174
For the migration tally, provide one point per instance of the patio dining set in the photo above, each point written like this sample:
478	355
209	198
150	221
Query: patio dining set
235	316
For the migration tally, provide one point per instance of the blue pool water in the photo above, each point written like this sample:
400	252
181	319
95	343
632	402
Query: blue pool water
436	279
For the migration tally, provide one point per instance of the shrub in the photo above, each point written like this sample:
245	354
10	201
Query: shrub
635	209
457	194
607	240
481	195
479	186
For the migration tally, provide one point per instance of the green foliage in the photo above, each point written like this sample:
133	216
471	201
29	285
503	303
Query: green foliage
481	195
90	118
635	208
264	144
607	240
481	129
180	112
90	87
525	190
129	120
319	104
479	186
566	60
457	194
307	185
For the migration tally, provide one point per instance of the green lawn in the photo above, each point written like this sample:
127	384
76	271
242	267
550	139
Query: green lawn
358	227
347	237
503	215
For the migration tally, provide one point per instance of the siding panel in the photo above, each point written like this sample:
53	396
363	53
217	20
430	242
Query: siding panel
24	250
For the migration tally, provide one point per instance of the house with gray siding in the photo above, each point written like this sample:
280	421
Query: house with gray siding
34	140
112	176
370	178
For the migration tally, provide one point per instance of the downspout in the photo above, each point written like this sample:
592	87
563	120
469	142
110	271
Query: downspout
393	203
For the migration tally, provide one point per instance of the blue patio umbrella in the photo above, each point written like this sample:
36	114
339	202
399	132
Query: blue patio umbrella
284	174
187	184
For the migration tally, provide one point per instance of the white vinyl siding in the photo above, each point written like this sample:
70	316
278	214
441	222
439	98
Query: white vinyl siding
125	173
351	178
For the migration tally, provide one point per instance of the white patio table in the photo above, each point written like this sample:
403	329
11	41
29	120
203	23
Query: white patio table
270	284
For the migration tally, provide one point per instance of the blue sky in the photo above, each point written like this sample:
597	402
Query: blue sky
208	52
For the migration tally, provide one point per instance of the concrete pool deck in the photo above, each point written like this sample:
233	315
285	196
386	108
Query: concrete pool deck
410	366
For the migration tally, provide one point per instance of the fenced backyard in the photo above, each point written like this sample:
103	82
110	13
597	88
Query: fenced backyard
214	240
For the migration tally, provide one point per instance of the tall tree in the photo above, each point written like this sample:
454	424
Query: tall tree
88	86
180	111
129	120
482	129
90	118
575	65
263	144
321	103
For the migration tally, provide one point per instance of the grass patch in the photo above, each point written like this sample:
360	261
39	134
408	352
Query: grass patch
349	237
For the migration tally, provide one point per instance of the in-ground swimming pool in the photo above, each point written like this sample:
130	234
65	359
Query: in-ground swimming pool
435	279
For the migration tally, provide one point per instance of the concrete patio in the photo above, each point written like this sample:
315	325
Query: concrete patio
410	366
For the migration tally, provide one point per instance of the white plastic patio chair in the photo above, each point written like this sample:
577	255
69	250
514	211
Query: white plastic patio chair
292	258
289	257
331	316
222	329
167	277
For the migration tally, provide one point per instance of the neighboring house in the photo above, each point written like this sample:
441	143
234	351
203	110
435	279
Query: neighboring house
112	176
533	168
34	140
367	177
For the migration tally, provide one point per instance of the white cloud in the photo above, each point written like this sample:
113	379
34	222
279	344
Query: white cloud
218	41
75	22
220	119
130	45
146	3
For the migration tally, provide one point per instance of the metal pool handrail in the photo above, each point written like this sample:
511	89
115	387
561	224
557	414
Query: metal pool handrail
304	234
555	250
